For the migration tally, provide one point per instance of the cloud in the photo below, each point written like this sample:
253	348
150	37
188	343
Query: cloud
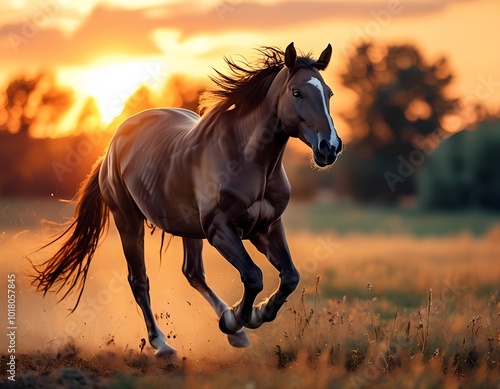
106	32
109	31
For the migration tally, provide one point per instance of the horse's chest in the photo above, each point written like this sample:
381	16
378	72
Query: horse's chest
252	213
261	211
258	217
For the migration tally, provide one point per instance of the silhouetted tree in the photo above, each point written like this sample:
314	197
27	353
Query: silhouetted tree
463	172
400	97
30	102
45	166
89	118
140	100
183	92
178	91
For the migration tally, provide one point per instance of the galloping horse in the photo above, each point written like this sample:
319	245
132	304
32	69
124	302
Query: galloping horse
217	177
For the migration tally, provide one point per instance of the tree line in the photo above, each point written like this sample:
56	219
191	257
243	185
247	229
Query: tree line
403	145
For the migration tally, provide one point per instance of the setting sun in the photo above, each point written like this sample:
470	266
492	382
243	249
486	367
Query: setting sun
112	84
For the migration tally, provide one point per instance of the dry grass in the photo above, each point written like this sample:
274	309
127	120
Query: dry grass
386	309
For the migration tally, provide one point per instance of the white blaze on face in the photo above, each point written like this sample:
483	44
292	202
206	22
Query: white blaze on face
333	134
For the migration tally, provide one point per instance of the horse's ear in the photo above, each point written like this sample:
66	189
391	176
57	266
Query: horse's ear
290	56
324	58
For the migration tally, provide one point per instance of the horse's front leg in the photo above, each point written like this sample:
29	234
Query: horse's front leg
194	272
225	239
274	246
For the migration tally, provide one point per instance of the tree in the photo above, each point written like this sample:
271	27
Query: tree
400	97
183	92
140	100
463	172
33	104
89	118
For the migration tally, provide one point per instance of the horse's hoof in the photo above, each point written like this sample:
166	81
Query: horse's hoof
167	353
239	339
227	320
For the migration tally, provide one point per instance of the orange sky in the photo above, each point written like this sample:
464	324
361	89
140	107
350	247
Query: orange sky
106	49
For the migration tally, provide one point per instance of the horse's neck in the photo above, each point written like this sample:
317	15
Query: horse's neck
262	136
261	130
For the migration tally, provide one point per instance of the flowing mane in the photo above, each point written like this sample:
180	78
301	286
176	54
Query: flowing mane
247	83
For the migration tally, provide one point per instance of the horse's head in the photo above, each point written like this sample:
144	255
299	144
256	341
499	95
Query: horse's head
304	106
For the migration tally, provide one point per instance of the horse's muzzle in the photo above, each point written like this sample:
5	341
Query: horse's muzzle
326	154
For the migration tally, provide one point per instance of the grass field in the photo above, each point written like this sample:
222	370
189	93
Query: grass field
387	298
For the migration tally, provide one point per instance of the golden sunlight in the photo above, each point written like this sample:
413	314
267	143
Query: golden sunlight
112	84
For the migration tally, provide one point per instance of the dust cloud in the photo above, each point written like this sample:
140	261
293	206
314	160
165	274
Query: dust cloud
108	318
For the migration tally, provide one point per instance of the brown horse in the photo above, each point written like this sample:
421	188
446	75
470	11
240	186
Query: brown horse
219	177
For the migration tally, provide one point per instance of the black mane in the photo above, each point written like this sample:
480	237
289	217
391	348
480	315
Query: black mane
247	83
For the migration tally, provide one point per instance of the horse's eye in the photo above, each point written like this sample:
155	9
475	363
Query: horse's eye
296	94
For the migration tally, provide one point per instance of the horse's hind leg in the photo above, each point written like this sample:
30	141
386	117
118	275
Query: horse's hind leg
131	228
195	273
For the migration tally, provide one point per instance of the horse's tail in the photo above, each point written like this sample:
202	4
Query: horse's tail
70	265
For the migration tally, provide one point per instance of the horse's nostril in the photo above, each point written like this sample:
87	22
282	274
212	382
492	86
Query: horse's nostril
339	147
324	147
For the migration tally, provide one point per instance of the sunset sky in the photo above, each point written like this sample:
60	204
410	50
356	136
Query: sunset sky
106	49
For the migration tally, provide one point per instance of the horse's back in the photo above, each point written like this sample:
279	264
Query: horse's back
151	131
148	161
157	120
